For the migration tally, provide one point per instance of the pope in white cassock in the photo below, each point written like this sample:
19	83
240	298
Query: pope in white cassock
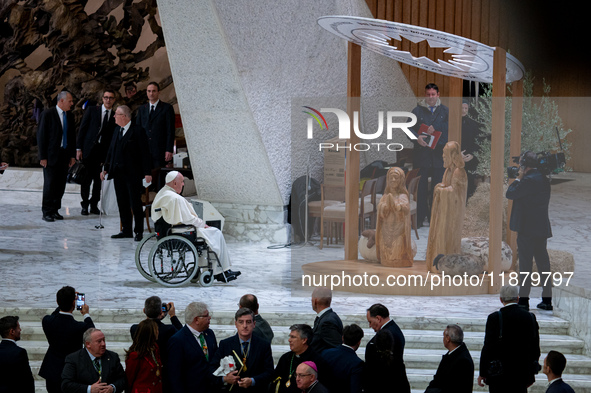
175	210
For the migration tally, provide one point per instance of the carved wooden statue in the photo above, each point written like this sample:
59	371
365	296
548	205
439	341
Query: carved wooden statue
449	205
393	241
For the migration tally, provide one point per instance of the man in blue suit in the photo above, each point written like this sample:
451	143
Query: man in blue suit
530	193
554	365
56	141
14	362
64	335
345	366
189	351
254	367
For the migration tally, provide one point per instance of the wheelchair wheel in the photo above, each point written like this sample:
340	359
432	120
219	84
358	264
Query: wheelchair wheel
206	278
142	254
173	261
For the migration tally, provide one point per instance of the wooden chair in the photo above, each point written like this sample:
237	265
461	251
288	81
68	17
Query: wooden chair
413	187
334	215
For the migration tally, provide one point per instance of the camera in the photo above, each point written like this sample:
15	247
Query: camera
545	162
165	308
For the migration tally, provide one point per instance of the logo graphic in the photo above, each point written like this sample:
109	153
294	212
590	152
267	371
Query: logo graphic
394	120
317	120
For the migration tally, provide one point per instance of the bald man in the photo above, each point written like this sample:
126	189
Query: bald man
170	208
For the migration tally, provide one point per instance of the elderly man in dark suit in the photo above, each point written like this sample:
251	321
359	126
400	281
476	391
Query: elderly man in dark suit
157	119
92	144
530	193
56	140
93	367
64	335
517	351
554	365
328	327
346	369
127	163
190	350
384	354
252	356
14	362
455	373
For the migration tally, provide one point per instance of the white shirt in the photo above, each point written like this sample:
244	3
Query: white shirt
154	104
125	128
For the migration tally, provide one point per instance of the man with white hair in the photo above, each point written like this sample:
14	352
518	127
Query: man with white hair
170	208
509	357
190	350
127	163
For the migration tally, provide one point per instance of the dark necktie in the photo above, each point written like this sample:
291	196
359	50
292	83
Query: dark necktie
105	119
151	113
97	365
244	349
65	130
316	322
120	133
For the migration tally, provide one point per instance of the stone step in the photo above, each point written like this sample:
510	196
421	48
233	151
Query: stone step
420	339
278	320
419	380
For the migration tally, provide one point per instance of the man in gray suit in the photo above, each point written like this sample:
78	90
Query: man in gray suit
93	367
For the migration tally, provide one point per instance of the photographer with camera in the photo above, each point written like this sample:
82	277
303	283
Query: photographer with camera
155	309
530	193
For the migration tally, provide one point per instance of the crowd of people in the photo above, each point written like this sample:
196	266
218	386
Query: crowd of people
322	358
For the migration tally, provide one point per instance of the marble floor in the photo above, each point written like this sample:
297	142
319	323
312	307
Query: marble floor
37	258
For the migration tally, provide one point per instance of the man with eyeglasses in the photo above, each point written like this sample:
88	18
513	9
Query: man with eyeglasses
92	144
190	350
307	378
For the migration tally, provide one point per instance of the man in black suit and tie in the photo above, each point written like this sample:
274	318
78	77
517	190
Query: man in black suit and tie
345	366
252	356
518	350
56	140
127	163
64	335
328	327
14	362
93	367
92	144
554	365
455	373
190	350
157	119
384	353
530	193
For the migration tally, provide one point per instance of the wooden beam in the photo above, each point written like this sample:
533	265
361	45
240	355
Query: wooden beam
352	160
514	151
455	109
497	163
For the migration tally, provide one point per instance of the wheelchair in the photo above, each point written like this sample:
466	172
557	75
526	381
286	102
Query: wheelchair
175	256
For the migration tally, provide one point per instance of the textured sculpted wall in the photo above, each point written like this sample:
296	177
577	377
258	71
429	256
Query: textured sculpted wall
50	45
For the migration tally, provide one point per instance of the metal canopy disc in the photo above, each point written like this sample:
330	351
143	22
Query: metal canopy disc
471	60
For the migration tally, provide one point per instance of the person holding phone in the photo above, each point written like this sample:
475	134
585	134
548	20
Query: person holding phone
64	335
